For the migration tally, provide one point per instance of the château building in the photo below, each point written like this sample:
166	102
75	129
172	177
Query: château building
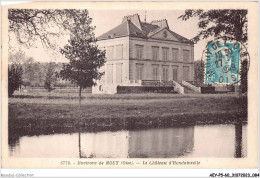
140	53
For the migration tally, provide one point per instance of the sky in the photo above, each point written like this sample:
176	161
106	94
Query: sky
105	20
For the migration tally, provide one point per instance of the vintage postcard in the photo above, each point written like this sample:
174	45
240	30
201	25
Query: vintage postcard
130	85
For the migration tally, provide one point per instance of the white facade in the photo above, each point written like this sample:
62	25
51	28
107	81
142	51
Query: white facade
132	59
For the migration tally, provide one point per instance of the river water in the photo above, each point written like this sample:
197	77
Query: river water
218	141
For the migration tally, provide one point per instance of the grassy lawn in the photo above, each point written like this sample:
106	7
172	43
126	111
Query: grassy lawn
40	110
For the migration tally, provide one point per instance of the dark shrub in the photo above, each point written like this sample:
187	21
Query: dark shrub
14	78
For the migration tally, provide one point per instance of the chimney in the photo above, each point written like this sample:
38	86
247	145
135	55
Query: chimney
134	19
161	23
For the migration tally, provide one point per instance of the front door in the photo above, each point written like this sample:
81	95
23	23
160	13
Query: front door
174	74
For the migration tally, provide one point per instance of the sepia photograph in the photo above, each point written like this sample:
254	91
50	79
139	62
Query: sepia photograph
89	84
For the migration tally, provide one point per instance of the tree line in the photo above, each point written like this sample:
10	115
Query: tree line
24	72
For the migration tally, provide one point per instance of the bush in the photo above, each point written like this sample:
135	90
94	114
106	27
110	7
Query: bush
145	89
14	78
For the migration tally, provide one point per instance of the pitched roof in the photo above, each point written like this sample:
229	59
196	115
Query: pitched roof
127	28
119	31
181	38
148	27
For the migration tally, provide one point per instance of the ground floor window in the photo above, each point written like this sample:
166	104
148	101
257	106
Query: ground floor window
139	71
165	73
175	74
109	73
155	72
186	73
100	88
119	76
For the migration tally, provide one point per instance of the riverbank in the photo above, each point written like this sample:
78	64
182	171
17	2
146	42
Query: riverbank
60	112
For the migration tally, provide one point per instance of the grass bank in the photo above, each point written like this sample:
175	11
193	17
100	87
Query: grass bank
60	112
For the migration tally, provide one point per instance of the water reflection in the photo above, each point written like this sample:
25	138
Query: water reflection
238	137
104	144
219	141
192	141
161	143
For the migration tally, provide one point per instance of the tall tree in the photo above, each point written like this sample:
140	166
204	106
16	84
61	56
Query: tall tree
225	24
84	56
228	24
29	72
50	76
15	69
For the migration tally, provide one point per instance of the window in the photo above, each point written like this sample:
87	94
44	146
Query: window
165	54
109	73
155	72
155	51
110	52
165	73
186	73
119	73
139	52
100	88
139	71
175	73
175	54
186	55
119	52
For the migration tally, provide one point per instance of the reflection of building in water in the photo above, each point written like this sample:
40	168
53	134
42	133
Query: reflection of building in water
220	141
104	144
171	142
199	141
161	143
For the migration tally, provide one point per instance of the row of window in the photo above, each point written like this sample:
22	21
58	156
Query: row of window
165	53
156	75
165	73
118	75
116	52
